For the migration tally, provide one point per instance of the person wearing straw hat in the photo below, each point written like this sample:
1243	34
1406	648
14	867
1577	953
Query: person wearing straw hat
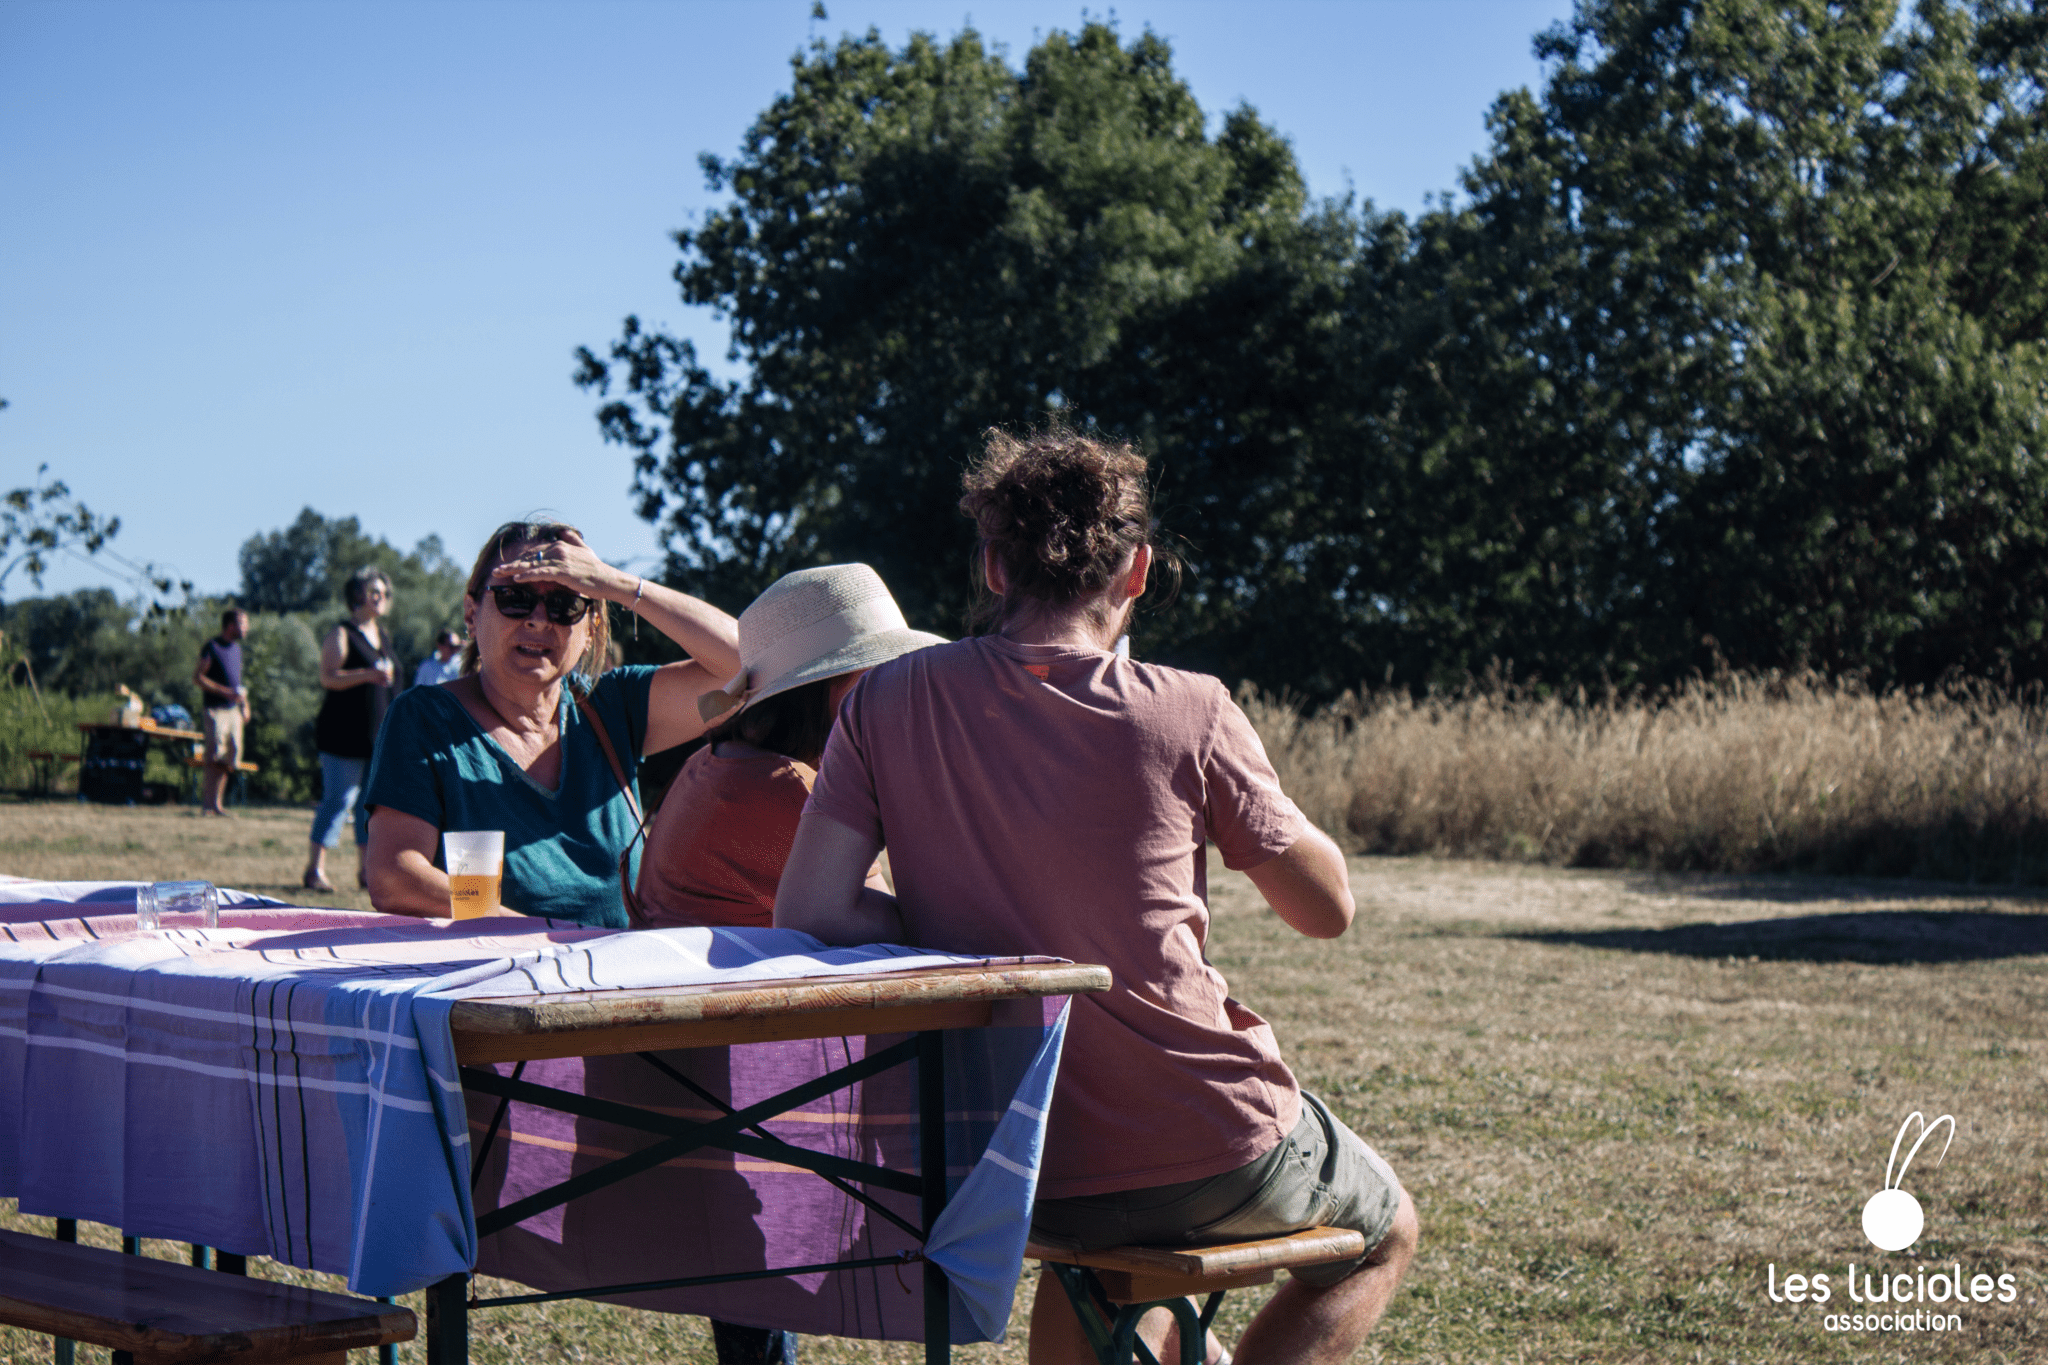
715	854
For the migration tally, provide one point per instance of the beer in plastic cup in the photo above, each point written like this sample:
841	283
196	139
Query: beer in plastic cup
476	870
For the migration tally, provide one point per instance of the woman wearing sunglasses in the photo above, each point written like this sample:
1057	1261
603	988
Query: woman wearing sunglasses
515	743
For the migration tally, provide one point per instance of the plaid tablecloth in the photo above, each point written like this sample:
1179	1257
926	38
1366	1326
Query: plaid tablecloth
285	1085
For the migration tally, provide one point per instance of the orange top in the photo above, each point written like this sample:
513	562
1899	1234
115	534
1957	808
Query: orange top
720	839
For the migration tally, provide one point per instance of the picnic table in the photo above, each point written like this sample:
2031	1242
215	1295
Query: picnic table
845	1141
114	756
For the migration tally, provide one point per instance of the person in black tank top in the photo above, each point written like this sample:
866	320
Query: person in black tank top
358	669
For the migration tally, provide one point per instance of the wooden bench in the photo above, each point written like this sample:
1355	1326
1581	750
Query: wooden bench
162	1313
1113	1288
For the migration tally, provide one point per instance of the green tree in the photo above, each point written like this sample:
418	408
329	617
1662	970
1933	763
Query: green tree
39	520
302	568
923	244
77	643
1729	350
1733	351
1874	495
43	518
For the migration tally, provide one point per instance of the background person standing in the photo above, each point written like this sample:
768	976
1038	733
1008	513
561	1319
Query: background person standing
226	707
358	670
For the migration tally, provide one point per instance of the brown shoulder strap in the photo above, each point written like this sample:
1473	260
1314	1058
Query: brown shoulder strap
634	914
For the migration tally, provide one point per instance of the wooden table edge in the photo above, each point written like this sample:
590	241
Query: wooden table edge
797	995
526	1028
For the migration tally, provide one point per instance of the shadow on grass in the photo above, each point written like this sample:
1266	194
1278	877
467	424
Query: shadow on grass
1875	936
1805	888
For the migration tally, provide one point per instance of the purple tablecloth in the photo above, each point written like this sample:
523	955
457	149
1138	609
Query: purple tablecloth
286	1085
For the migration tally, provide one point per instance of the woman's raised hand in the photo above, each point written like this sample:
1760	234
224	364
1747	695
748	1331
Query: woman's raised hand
571	564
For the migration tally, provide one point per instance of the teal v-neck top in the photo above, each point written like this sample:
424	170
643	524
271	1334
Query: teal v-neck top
561	847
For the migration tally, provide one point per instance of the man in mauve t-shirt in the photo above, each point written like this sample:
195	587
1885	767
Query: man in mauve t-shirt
1127	888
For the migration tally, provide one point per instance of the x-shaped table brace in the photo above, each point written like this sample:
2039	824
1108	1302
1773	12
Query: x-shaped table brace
738	1131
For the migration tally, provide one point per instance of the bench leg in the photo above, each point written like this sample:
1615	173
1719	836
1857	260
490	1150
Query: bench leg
1112	1328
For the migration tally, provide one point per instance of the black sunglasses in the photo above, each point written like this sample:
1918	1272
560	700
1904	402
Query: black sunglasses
516	602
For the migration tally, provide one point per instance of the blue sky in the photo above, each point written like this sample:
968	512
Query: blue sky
262	254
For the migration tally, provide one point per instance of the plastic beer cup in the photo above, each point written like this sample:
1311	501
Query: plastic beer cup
476	870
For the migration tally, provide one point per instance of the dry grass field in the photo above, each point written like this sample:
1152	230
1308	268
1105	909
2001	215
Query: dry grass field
1627	1104
1740	774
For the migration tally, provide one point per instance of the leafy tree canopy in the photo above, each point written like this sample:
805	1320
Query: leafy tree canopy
304	566
39	520
925	243
303	569
1735	350
43	518
1730	349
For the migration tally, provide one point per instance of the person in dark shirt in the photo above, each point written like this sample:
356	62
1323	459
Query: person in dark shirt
358	670
225	707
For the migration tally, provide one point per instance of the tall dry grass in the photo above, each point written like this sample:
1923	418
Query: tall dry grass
1735	775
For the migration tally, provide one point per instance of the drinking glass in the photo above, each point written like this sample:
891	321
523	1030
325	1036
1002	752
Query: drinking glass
157	899
476	870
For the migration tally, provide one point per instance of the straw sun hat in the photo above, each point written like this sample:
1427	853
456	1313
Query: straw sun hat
812	624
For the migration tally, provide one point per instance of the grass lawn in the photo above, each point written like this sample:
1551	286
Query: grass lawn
1627	1106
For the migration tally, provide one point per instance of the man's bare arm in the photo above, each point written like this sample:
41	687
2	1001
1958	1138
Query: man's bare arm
1308	886
822	891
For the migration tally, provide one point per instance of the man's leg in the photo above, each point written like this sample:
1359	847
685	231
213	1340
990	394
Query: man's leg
1302	1324
212	787
1056	1336
1306	1325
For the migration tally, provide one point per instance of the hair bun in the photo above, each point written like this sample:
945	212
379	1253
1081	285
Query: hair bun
1062	511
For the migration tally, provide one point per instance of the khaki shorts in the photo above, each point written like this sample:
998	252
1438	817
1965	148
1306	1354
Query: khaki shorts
1321	1175
223	727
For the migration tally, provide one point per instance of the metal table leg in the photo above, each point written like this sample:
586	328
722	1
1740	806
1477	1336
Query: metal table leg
65	1351
448	1321
931	1165
739	1131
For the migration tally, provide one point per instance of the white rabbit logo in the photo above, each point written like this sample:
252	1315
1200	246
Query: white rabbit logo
1892	1219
